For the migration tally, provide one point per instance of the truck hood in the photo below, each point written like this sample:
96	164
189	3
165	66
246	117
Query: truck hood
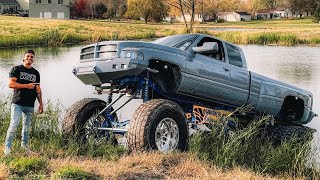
136	46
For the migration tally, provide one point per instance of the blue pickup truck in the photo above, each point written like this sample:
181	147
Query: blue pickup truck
183	80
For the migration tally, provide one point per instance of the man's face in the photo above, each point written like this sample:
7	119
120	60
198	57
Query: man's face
28	59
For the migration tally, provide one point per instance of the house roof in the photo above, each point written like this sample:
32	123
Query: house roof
9	2
223	13
268	10
229	13
243	13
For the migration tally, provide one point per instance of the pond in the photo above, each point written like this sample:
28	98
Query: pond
299	66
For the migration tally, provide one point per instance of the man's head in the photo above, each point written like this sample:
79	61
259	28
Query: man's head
28	58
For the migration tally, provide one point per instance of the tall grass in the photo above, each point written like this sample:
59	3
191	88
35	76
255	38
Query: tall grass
47	142
46	138
264	38
251	148
19	31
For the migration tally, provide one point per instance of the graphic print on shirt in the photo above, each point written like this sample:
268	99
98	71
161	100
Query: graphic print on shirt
28	77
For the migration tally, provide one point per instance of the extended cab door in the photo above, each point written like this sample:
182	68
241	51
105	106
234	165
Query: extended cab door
240	76
207	74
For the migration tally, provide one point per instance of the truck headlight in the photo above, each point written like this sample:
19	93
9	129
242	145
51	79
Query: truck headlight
131	54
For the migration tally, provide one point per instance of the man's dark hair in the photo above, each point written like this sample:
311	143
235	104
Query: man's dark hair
30	51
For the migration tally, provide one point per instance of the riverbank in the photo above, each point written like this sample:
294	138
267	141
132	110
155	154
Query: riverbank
210	156
19	31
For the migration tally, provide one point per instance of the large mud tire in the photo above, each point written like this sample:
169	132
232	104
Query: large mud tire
78	115
281	133
154	116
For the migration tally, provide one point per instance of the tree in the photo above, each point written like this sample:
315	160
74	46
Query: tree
92	4
100	10
297	6
117	8
147	9
185	7
80	8
271	4
317	12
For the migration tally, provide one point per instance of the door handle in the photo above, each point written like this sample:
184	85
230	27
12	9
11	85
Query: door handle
226	69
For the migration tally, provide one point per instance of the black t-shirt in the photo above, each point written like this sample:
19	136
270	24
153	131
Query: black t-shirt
25	97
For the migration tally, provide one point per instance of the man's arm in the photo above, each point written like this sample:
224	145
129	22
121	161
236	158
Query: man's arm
39	97
15	85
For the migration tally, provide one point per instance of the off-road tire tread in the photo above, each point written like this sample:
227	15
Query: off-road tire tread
75	113
280	133
141	122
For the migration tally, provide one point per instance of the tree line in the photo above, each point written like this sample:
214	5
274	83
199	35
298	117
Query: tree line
157	10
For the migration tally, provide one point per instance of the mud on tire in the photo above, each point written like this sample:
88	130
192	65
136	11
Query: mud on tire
78	115
156	124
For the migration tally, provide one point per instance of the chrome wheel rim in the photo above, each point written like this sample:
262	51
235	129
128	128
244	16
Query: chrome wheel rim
91	132
167	135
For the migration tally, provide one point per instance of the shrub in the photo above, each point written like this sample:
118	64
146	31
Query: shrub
74	173
25	165
220	20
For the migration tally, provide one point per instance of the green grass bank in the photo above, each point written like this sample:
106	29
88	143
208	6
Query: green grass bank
18	31
245	154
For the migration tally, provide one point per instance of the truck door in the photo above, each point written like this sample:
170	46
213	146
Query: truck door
240	77
208	73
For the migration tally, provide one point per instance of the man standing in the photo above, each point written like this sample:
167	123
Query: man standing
25	80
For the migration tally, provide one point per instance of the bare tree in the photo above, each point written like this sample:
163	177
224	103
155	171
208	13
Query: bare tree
185	7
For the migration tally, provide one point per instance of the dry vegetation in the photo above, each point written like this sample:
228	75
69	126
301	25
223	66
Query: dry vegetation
145	166
18	31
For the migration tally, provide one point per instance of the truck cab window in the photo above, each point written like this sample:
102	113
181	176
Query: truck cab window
216	51
234	55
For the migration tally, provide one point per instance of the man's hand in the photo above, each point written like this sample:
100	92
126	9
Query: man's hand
40	109
15	85
31	85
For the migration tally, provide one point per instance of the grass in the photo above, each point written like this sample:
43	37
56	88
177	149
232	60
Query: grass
245	155
23	166
251	148
74	173
18	31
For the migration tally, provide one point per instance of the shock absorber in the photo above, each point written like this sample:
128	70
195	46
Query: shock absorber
109	117
146	88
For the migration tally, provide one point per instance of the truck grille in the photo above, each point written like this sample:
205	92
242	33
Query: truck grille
107	51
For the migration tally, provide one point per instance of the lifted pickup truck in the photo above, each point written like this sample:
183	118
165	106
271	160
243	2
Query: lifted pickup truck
185	81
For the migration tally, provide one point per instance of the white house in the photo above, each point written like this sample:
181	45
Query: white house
9	6
59	9
197	18
272	14
234	16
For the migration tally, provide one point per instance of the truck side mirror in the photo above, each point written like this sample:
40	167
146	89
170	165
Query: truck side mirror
207	47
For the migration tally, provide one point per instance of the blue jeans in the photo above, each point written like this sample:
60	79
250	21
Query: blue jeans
16	112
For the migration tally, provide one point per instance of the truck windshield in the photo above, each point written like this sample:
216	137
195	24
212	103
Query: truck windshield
177	41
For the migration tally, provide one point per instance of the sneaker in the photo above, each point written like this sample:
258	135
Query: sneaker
7	151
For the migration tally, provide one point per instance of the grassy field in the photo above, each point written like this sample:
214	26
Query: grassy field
18	31
211	156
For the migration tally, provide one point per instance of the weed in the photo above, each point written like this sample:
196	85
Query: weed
25	165
74	173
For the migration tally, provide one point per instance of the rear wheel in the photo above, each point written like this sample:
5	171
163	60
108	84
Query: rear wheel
158	124
81	121
280	133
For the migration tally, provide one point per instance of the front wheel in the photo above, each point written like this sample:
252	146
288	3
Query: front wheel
82	121
158	124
